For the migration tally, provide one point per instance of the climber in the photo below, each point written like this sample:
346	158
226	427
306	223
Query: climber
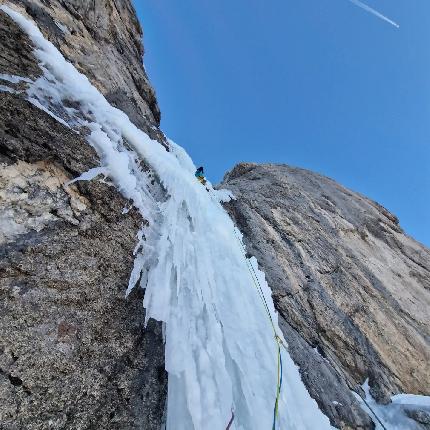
200	175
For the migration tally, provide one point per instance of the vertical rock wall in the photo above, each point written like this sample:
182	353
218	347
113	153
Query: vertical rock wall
352	289
74	353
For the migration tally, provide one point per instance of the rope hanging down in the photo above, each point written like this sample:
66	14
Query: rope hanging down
278	388
231	420
260	292
279	341
372	411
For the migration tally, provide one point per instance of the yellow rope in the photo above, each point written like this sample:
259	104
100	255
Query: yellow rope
279	377
279	341
278	388
260	292
256	283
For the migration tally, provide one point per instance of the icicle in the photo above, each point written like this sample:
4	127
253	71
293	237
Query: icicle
219	345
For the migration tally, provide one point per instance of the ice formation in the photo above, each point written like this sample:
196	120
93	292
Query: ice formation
220	350
393	416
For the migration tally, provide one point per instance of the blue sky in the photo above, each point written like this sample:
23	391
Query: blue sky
319	84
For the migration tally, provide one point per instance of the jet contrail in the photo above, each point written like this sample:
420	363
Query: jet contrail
374	12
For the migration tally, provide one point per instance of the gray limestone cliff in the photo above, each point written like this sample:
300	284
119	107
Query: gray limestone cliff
352	290
74	353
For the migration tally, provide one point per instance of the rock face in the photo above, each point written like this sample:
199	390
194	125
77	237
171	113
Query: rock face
351	288
102	39
74	352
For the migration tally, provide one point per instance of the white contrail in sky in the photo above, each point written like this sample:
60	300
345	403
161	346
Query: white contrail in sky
374	12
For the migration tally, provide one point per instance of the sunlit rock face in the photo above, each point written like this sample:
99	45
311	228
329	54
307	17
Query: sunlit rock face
74	353
351	287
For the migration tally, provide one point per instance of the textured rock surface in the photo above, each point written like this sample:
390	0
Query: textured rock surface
74	353
351	288
349	285
102	39
421	417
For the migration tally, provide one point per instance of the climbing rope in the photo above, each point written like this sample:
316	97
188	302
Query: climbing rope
231	420
260	292
278	388
256	282
373	412
279	341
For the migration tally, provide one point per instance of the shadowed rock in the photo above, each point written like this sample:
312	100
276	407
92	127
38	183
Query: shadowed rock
103	40
74	352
